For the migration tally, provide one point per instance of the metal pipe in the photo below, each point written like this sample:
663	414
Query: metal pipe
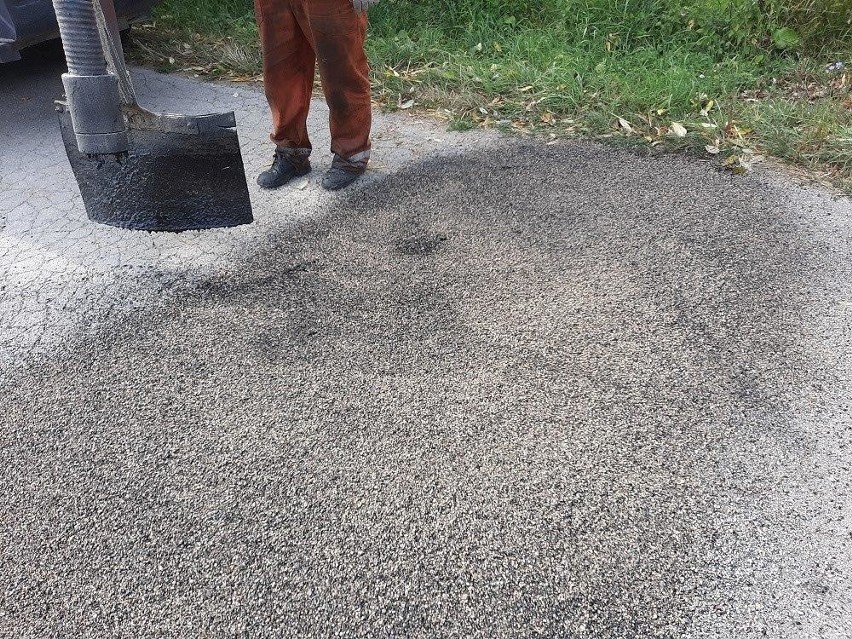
92	92
79	31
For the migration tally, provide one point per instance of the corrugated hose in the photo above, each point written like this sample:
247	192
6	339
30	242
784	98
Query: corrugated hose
79	30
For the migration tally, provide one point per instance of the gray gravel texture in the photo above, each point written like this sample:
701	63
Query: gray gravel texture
60	274
524	391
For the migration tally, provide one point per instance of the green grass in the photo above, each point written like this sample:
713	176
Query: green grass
738	75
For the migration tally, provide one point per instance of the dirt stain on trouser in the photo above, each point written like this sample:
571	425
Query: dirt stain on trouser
296	35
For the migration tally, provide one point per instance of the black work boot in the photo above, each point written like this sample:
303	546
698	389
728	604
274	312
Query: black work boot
343	173
286	165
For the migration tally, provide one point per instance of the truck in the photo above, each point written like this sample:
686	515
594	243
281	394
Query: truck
24	23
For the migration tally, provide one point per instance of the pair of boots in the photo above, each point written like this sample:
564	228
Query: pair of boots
292	163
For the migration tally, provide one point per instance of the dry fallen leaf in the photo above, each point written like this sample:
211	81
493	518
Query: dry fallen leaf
737	164
678	129
624	124
407	104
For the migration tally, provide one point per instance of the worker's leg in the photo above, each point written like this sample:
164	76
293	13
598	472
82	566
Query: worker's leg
288	71
288	75
338	34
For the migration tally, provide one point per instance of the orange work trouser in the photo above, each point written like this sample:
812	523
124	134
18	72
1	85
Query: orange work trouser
296	35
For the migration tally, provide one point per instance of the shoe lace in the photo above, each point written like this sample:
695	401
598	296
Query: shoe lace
278	158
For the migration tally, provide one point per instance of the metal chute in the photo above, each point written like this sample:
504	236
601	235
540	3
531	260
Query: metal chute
137	169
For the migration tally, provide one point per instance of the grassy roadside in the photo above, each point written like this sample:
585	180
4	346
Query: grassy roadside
657	73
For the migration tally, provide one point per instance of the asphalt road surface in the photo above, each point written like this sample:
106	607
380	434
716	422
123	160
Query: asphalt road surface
502	389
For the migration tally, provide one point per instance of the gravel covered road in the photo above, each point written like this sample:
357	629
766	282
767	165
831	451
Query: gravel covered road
505	389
